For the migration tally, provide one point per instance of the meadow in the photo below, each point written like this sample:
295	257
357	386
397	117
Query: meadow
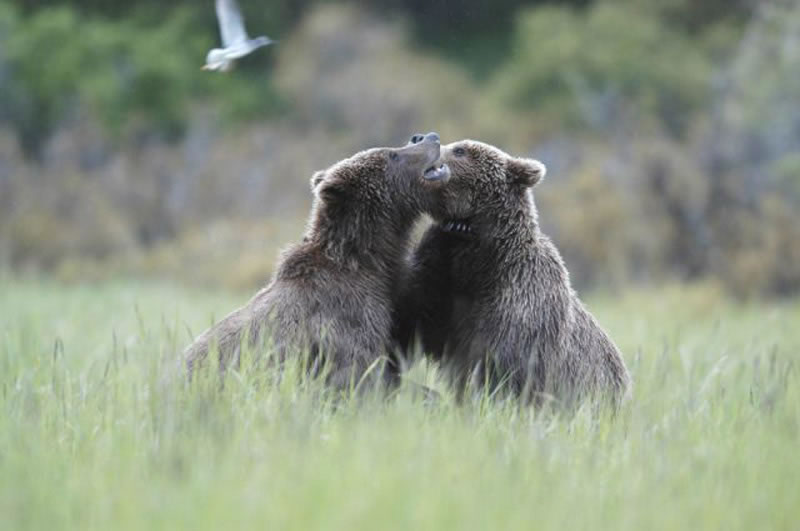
99	431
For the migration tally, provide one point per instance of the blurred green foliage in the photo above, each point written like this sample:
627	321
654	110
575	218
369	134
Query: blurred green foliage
137	63
612	59
137	75
669	127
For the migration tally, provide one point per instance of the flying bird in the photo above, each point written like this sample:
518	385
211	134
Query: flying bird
235	40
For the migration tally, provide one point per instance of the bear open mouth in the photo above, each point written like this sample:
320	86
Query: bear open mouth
437	172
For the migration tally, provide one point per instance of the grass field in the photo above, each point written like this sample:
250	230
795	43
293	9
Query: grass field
97	433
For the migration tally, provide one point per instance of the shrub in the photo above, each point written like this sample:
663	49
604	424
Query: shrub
613	62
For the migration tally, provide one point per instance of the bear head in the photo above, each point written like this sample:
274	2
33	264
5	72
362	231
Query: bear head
484	186
377	190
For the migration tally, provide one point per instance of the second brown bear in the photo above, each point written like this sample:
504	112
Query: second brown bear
489	295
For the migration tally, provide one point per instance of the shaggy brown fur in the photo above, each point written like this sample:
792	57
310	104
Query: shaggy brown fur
331	296
489	294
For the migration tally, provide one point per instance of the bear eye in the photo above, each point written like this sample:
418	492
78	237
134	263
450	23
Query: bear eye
459	152
393	155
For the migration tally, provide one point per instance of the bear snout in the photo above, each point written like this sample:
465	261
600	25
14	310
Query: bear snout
432	137
416	138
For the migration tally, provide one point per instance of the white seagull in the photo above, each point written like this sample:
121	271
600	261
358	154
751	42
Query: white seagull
234	38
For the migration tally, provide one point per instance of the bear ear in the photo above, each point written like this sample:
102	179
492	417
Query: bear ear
316	179
525	172
330	189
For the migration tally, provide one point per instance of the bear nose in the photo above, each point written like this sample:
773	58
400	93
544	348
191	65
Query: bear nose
417	138
432	137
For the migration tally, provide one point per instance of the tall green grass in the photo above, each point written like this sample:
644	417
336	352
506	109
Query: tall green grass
97	431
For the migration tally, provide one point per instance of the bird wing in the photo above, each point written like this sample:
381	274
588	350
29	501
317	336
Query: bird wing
231	24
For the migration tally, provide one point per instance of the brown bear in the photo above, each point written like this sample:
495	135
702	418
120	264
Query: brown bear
332	295
488	294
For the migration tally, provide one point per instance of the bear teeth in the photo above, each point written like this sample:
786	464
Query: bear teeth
457	226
